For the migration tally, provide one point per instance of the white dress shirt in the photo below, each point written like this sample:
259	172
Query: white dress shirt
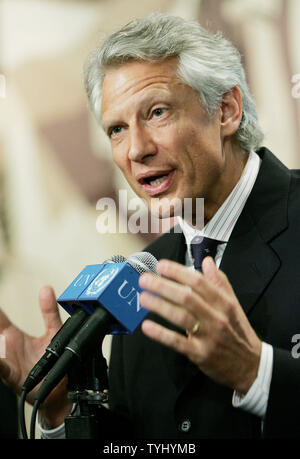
220	227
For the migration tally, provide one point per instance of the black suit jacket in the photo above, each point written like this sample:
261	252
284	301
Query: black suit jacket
164	395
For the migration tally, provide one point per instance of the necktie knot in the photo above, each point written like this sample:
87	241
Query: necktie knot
202	247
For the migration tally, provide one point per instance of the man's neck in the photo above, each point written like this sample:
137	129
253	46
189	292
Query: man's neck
234	167
222	223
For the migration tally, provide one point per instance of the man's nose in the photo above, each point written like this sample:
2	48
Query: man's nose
141	144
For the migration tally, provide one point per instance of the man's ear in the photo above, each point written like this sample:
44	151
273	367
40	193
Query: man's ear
231	111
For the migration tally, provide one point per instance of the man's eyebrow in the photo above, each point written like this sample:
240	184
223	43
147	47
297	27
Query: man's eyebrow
107	125
109	122
155	96
148	99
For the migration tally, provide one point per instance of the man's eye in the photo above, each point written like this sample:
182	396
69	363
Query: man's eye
158	111
115	130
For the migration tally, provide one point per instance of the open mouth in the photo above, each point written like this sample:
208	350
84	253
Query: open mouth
158	182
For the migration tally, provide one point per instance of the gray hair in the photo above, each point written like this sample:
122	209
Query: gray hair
207	62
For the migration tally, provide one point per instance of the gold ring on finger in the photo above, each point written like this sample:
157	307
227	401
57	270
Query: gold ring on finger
194	329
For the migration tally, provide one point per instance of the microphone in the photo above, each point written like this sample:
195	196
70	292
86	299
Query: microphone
112	300
69	298
55	349
68	329
113	287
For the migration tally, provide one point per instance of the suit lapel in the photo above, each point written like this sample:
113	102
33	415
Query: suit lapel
249	260
249	263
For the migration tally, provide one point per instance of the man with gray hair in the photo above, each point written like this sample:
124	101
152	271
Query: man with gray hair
174	102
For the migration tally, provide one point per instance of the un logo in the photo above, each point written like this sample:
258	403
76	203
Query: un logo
102	280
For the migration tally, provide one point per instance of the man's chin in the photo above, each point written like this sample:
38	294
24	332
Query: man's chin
161	223
163	208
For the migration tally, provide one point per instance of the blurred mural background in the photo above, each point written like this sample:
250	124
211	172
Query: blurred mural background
54	160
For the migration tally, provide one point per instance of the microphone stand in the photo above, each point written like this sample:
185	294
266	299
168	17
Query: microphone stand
88	389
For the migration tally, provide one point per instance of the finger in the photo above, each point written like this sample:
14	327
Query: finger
172	291
212	288
210	270
216	276
49	309
229	303
200	284
175	314
170	338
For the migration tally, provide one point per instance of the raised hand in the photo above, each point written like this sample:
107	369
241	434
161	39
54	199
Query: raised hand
23	351
223	344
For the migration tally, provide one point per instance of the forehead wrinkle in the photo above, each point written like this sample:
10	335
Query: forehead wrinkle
160	82
138	83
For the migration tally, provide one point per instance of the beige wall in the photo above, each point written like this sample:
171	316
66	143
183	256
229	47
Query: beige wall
54	161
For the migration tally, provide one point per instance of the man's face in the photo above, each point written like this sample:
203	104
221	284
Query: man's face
161	137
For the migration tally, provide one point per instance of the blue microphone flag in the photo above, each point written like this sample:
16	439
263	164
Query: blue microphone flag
111	286
69	298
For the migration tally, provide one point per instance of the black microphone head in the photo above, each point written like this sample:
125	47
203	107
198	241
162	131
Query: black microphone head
143	262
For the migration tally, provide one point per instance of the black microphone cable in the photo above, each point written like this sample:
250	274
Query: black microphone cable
22	414
90	334
33	419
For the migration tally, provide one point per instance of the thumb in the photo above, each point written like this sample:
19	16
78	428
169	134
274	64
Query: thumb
215	275
49	309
